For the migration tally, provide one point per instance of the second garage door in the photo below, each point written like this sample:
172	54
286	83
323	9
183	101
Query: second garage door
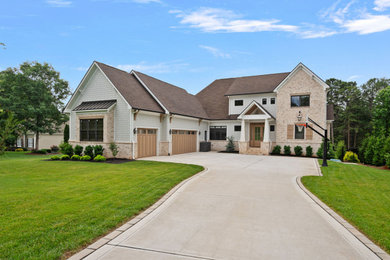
183	141
146	142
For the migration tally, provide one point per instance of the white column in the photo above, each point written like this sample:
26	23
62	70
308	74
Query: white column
266	131
242	137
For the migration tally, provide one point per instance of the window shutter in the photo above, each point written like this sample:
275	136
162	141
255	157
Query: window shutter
290	131
309	133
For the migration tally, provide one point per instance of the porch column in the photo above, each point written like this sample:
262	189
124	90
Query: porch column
266	131
242	137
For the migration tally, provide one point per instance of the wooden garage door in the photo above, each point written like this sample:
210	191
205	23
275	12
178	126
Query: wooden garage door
146	142
183	141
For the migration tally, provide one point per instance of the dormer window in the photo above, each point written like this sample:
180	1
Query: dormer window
239	102
264	101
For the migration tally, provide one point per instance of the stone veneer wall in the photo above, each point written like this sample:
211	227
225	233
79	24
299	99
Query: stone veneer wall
300	84
125	149
220	145
164	148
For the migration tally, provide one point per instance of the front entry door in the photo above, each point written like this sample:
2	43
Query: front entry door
257	133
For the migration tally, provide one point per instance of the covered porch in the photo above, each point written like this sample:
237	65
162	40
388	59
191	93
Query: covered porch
255	130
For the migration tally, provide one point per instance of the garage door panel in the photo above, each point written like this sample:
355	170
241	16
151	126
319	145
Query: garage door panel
146	142
183	141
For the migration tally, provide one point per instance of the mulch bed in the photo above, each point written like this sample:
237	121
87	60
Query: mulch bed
110	160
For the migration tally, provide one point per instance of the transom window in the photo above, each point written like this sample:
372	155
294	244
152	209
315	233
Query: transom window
300	101
239	102
264	101
217	132
91	130
299	133
272	101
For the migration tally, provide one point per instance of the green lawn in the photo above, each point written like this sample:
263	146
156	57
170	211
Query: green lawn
48	208
360	194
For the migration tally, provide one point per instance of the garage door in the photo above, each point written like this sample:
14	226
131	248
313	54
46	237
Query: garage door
183	141
146	142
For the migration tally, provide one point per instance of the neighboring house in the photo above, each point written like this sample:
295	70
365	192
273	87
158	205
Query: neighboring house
45	140
145	116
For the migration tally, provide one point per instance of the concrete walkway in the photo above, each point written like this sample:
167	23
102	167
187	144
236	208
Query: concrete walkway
243	207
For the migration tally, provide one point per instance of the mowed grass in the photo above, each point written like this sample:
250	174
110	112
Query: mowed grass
360	194
49	208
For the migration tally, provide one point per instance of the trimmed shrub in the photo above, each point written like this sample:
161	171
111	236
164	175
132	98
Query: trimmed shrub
98	150
78	150
54	148
330	151
276	149
287	150
387	159
114	149
19	150
99	158
55	157
230	145
351	157
85	158
67	149
88	151
41	151
340	150
309	151
75	157
298	150
64	157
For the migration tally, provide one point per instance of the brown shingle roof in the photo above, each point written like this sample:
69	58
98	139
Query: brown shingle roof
131	89
213	99
256	84
95	105
175	99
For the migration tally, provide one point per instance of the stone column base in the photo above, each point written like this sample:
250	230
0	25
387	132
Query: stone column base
164	148
243	147
265	148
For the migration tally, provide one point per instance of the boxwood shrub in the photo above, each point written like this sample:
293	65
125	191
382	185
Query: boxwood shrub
55	157
276	149
75	157
287	150
99	158
64	157
85	158
298	150
309	151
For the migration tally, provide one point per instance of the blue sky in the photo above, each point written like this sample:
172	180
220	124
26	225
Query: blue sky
191	43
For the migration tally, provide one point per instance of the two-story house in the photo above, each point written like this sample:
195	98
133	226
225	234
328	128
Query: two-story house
145	116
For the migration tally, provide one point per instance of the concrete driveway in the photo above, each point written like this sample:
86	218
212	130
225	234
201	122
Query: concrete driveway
243	207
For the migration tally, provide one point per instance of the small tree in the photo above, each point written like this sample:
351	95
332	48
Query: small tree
66	133
114	149
8	124
230	145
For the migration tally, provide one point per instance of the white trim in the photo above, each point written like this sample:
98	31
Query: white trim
305	69
150	92
66	110
243	116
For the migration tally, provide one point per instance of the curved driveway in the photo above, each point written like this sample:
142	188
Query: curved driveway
243	207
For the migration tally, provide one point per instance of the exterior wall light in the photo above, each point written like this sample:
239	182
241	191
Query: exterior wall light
134	130
170	131
299	116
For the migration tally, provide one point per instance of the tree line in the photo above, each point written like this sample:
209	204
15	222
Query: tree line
32	98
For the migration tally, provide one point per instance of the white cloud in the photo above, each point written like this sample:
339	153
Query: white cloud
59	3
215	52
309	34
161	67
221	20
381	5
353	77
81	68
368	24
